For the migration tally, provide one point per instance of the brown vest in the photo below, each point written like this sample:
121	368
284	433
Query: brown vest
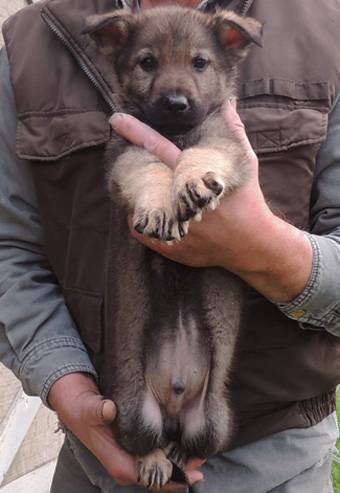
284	376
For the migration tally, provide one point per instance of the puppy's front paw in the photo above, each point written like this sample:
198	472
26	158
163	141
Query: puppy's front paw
158	223
197	194
154	469
199	182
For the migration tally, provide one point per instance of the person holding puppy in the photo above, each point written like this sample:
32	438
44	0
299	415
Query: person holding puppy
279	234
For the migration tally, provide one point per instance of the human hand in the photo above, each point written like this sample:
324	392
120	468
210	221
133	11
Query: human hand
79	404
221	238
242	235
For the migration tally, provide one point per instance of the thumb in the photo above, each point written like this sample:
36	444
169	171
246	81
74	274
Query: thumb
144	136
99	411
237	127
107	412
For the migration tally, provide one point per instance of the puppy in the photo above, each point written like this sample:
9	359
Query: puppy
174	328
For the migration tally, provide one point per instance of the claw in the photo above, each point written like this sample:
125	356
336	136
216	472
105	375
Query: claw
154	469
141	223
181	232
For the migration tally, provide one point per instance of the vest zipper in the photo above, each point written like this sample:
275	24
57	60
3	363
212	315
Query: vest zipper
245	6
80	61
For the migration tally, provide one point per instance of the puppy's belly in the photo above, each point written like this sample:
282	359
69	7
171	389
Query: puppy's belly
177	378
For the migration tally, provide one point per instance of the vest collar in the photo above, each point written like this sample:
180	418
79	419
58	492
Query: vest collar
65	19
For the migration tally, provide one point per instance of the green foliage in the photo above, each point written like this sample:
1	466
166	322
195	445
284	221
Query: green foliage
336	465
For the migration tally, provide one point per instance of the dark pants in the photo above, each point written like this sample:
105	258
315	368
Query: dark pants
292	461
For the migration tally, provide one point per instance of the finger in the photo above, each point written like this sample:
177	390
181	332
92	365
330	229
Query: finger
107	412
142	135
194	463
98	411
236	125
193	477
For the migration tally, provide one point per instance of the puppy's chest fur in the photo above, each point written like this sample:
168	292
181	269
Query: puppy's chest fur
173	328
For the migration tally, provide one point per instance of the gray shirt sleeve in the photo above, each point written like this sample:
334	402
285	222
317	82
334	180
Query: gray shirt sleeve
38	338
318	306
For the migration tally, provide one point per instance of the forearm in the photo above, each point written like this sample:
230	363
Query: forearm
277	260
318	305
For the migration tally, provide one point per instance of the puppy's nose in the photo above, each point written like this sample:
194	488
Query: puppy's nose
176	103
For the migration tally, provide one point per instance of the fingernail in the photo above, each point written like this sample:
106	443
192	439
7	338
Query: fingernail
101	410
115	120
107	415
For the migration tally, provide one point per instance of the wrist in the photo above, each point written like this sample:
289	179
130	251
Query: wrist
278	261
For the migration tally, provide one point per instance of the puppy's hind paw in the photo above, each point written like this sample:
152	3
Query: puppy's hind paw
176	455
154	469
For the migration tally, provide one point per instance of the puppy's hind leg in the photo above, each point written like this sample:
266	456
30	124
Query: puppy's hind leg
156	469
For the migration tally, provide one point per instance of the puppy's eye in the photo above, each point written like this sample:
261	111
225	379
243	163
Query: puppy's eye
200	63
148	63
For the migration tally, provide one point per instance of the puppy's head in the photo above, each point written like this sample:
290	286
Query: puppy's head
173	65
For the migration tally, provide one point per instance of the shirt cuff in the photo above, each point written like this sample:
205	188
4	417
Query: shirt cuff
318	306
51	360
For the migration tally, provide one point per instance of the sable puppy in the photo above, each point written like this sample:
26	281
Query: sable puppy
174	328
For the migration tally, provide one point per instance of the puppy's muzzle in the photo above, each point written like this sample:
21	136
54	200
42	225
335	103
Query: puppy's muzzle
176	104
174	113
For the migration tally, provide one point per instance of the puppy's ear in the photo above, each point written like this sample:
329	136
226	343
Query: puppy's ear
109	31
236	33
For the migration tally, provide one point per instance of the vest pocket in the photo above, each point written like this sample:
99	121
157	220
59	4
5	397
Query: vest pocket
50	136
87	310
280	114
